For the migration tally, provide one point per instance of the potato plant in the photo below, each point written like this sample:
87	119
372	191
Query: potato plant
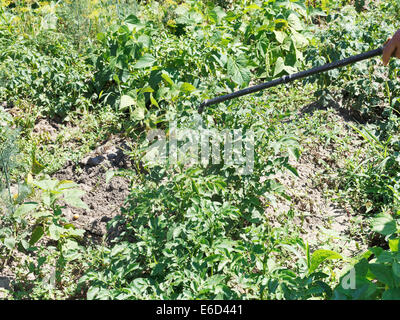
202	230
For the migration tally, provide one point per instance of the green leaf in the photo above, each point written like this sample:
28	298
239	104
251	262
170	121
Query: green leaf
9	243
384	224
73	193
71	250
98	293
396	268
291	169
320	256
253	7
37	234
294	22
279	66
138	113
294	152
391	294
49	185
384	257
66	184
126	101
299	39
394	245
147	60
47	198
217	14
146	89
167	78
238	71
361	268
132	19
382	273
177	231
25	208
153	101
280	36
215	280
73	198
290	69
54	232
187	87
42	214
145	40
37	167
280	24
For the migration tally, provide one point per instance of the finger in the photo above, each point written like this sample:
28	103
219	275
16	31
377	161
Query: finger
397	52
387	53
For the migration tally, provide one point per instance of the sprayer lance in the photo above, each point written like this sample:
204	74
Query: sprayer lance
292	77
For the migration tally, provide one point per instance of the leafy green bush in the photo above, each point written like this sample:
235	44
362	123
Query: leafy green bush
366	87
213	51
200	232
184	240
35	220
194	231
370	91
376	273
45	69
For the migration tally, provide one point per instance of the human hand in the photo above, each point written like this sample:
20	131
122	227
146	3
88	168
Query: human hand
391	48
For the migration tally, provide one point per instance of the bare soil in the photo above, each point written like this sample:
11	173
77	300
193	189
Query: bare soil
322	220
103	199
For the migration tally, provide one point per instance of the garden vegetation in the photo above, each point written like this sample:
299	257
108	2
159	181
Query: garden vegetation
201	231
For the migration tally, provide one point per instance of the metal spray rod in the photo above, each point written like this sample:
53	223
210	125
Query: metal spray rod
292	77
